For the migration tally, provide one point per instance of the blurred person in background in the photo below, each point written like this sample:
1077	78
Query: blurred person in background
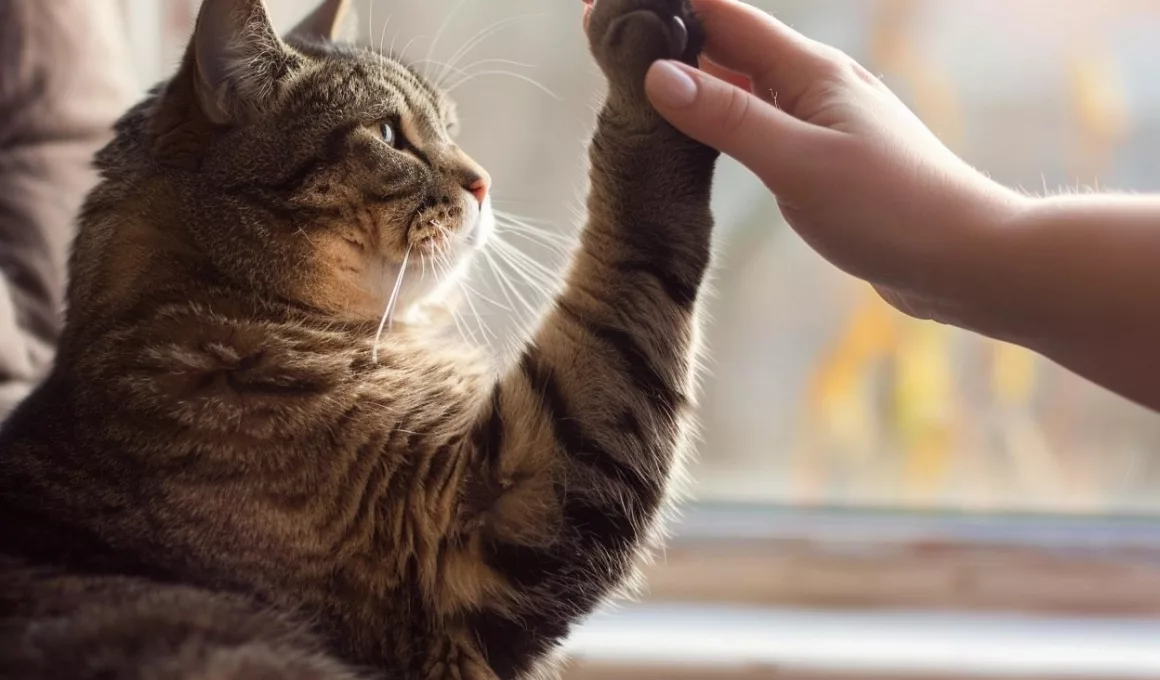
866	184
64	80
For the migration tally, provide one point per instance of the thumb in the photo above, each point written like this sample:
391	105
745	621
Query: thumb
728	118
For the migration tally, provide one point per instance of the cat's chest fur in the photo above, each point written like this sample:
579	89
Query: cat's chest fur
273	459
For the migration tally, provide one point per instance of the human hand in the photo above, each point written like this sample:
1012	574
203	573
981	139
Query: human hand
855	172
875	192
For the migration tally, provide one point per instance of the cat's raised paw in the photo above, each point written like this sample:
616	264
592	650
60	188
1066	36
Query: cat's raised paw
627	36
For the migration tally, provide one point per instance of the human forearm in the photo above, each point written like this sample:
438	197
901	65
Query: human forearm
1076	278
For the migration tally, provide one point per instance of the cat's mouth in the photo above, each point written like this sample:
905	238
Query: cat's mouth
445	231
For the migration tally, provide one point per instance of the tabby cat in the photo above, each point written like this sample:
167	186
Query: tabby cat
227	476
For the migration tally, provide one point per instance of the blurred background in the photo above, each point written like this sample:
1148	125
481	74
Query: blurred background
873	495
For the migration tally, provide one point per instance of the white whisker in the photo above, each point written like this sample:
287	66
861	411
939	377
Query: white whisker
518	76
403	54
520	219
538	228
483	329
495	260
388	315
531	267
553	246
470	44
305	236
394	40
466	48
494	60
439	35
370	22
443	262
548	234
459	325
502	288
383	33
539	233
481	296
444	67
464	72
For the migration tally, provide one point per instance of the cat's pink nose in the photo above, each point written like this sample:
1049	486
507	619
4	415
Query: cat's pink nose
478	187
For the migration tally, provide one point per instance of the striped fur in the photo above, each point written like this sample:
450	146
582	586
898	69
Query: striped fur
217	481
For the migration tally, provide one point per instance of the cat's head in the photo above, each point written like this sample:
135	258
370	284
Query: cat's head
296	167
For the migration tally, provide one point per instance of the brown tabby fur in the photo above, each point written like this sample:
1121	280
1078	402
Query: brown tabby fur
217	481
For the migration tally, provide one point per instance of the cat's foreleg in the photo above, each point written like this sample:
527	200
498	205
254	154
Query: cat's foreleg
574	451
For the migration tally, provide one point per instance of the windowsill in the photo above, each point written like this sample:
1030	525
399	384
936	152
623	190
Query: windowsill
859	560
749	593
704	642
724	522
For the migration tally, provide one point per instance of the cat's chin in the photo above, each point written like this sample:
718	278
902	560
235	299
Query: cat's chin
433	302
434	270
435	279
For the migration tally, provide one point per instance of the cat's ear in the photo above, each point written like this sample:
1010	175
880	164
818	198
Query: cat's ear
331	21
238	59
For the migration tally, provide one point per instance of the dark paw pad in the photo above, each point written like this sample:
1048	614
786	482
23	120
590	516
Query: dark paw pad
627	36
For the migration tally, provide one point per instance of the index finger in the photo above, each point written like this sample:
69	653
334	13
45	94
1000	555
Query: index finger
746	40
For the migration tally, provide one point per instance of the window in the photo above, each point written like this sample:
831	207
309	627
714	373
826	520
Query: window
824	397
876	496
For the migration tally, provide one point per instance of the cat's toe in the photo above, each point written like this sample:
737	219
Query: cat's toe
627	36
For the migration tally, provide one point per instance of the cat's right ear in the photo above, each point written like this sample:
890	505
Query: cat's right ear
238	59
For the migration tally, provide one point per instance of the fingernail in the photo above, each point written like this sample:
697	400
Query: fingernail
671	86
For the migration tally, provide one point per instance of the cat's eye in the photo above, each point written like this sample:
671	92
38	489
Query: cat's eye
391	135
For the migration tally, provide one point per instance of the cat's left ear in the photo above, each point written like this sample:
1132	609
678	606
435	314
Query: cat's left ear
332	21
238	60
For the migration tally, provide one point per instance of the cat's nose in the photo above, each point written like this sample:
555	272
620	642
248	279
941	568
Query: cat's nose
477	185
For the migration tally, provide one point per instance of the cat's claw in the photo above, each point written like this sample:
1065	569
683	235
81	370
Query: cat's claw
680	34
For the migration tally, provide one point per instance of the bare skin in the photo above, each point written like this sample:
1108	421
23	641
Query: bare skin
865	183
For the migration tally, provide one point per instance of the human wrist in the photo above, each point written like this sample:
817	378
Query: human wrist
967	277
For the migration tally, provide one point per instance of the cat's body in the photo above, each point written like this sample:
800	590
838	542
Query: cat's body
219	480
